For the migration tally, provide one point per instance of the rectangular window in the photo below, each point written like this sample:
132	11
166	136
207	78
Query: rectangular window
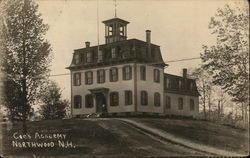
113	74
157	99
100	76
127	73
192	86
89	101
113	53
191	105
180	84
114	99
100	56
89	57
143	72
77	58
128	97
168	102
88	77
77	101
180	103
144	98
156	75
77	79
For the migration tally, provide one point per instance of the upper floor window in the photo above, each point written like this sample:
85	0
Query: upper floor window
167	82
156	75
89	101
168	102
88	77
100	76
127	73
100	56
128	97
157	99
181	85
113	53
180	103
191	86
191	104
77	58
144	98
77	101
77	79
113	74
89	57
143	72
114	99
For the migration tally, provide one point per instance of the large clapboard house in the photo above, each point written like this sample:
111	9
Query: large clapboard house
126	76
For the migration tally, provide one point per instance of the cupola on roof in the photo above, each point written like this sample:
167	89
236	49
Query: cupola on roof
115	30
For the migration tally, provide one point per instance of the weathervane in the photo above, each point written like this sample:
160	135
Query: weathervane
115	8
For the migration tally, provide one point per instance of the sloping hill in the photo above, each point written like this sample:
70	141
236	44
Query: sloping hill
109	138
203	132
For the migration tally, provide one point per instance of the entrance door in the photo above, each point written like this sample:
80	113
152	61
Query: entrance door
100	101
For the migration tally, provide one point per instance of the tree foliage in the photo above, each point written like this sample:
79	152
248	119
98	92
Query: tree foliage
228	60
25	56
53	107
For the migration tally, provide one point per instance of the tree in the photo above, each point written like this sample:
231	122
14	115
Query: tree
228	60
53	106
204	85
25	57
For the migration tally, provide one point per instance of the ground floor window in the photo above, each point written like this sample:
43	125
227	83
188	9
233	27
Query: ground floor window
157	99
180	103
114	99
144	98
128	97
168	102
89	101
77	101
191	104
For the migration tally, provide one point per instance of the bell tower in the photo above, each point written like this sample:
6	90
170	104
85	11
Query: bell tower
115	30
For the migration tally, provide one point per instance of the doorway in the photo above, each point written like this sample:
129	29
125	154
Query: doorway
101	106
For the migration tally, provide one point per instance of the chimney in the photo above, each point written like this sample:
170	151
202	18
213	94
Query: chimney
148	40
87	44
184	73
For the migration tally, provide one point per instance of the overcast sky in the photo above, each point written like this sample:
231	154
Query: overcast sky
180	27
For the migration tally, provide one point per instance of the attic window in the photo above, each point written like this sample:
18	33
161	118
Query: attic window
77	59
113	53
89	57
100	55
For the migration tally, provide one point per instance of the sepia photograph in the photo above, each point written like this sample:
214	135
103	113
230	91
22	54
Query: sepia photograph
124	78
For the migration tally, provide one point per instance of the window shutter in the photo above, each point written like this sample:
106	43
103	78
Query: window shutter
91	74
116	74
80	80
74	79
130	72
98	76
110	75
123	73
86	78
104	77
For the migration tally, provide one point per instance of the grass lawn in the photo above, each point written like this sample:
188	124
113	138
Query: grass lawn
219	136
88	138
101	138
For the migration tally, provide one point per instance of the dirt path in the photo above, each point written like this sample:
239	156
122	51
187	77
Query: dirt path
172	138
142	143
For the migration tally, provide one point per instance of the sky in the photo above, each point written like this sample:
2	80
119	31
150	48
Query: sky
179	27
